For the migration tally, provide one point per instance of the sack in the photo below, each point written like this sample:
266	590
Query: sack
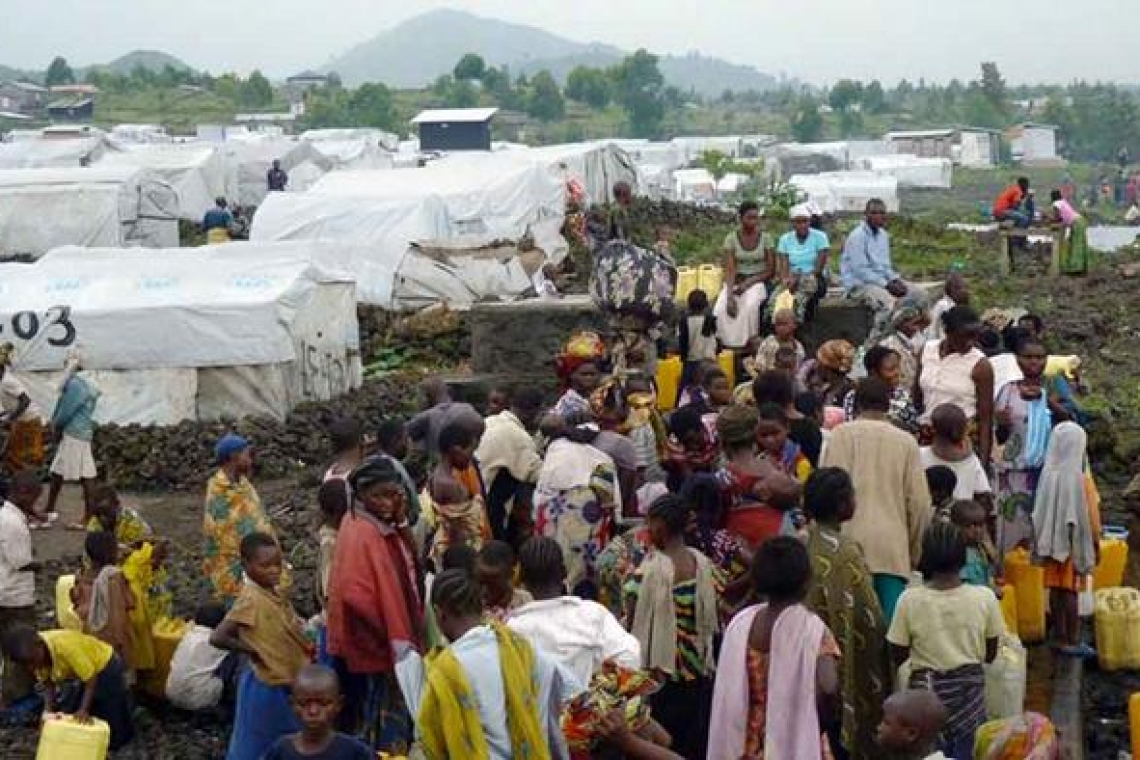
632	280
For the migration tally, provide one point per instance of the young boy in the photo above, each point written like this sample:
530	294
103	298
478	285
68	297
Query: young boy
912	720
263	625
956	292
696	337
970	517
783	336
109	514
103	598
57	657
941	481
317	702
495	570
198	678
18	568
951	448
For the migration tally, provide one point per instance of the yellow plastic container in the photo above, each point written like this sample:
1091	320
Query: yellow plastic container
1113	557
1117	624
64	609
727	361
687	279
710	278
1134	722
167	634
1009	609
63	738
1028	582
668	382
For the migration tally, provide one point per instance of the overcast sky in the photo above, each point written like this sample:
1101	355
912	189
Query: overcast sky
815	40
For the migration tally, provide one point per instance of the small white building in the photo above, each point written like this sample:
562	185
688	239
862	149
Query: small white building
965	146
1033	144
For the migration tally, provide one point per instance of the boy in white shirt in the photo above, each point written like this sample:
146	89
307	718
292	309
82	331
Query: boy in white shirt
17	574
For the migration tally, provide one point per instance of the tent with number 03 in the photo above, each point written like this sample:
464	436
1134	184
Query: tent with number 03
180	334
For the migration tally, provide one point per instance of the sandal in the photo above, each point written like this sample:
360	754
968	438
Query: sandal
1083	651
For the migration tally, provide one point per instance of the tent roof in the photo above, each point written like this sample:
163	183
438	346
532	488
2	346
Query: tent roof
454	115
87	175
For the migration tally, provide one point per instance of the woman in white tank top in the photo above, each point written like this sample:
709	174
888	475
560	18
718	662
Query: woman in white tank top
955	371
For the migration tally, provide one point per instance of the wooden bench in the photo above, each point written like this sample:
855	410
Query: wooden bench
1010	234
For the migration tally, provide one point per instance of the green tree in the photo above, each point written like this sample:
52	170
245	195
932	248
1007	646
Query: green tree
639	85
227	86
256	92
470	66
590	86
844	94
979	110
806	121
59	73
544	101
334	81
371	106
461	95
993	87
874	100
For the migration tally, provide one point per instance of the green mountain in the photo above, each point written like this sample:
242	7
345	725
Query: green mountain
152	60
416	52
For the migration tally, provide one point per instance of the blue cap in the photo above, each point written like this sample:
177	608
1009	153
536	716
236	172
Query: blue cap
228	445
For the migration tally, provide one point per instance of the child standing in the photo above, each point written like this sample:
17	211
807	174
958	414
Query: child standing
671	607
970	518
57	657
697	337
263	625
1066	528
942	482
198	678
316	703
951	448
783	336
102	597
948	630
454	503
332	497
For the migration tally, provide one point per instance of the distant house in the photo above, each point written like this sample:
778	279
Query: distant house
307	80
23	98
72	102
450	129
1033	144
965	146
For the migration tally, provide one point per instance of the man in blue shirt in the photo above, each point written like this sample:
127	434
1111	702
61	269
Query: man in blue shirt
866	270
218	218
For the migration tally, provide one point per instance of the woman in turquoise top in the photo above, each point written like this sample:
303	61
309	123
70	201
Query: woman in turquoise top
801	265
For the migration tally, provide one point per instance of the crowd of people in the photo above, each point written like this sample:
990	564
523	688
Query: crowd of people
738	577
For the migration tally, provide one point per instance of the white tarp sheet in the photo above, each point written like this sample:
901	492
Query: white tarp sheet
195	170
693	185
354	148
847	192
467	194
41	209
262	332
41	153
912	171
598	166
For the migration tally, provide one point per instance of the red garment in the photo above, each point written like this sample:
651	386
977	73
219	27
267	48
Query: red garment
373	602
1009	200
754	524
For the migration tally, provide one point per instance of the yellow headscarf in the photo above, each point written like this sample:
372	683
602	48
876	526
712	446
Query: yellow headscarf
449	722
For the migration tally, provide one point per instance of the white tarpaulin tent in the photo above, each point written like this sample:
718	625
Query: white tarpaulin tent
912	171
40	153
468	194
194	170
249	159
354	148
693	185
598	166
41	209
847	192
183	333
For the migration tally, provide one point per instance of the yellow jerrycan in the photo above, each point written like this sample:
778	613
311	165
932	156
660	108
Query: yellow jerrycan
1029	584
63	738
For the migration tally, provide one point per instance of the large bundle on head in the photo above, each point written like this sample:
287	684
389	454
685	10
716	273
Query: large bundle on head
631	280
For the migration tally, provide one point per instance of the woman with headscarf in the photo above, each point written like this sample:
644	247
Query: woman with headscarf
906	324
22	419
758	495
233	511
610	408
579	372
748	265
375	608
827	375
955	371
801	266
575	499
